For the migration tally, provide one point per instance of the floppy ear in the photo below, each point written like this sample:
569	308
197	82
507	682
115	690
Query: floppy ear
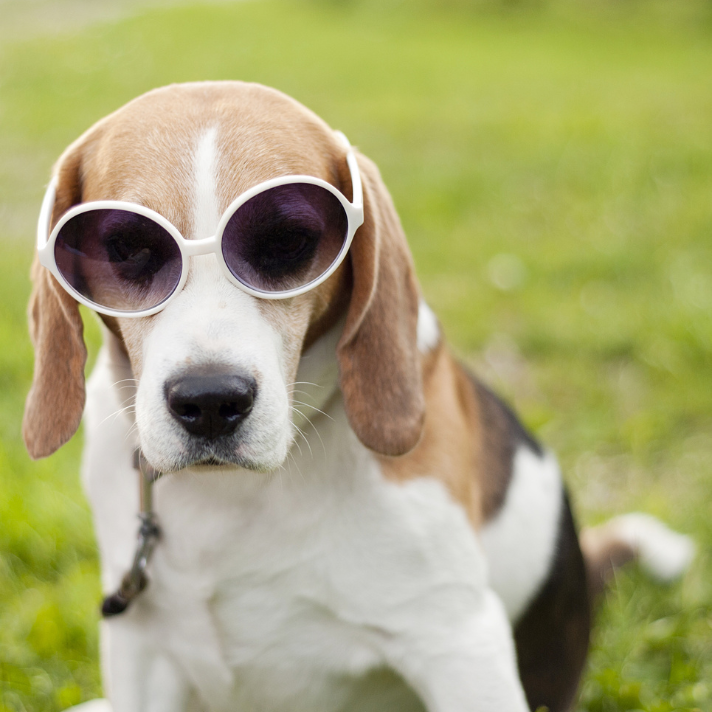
55	403
379	363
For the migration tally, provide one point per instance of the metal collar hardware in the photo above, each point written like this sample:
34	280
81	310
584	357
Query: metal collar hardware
136	580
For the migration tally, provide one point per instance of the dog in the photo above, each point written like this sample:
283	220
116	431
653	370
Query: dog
349	519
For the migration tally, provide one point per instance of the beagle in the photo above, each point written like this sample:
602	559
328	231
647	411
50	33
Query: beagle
349	519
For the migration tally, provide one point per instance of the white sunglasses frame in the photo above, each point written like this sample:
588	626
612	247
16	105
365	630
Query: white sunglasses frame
204	246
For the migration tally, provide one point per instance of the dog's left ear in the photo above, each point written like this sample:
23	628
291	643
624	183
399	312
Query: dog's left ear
54	405
379	363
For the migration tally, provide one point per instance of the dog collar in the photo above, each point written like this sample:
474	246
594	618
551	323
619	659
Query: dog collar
136	580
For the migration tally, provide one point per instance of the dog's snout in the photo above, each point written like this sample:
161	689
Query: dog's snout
211	405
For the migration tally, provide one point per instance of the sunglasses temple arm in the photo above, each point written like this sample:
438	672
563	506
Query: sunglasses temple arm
355	179
46	214
357	201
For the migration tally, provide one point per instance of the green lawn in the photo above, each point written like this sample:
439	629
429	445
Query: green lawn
553	170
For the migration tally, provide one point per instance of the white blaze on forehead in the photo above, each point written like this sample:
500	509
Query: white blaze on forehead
206	214
212	323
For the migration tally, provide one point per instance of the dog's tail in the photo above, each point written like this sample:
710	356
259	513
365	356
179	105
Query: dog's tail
661	552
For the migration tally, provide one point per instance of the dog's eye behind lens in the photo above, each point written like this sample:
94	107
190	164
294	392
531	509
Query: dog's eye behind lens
284	237
118	259
131	256
281	250
135	256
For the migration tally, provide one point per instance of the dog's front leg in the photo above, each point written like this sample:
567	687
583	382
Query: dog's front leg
469	669
140	678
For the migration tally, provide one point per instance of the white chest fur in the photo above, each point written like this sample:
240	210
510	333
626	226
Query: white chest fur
283	591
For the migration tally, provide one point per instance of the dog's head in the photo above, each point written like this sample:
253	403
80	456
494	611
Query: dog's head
186	152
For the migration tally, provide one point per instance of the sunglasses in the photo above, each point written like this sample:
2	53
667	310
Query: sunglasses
279	239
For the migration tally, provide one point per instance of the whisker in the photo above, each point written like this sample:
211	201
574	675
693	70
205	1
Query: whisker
294	461
301	432
118	412
316	430
124	380
131	431
304	383
296	442
298	390
309	405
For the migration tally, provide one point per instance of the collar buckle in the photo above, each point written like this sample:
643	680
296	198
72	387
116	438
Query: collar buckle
136	580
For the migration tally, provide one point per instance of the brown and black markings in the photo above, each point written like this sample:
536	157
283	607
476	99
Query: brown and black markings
552	635
469	442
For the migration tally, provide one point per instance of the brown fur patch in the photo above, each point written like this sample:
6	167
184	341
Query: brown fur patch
469	439
379	364
55	403
450	449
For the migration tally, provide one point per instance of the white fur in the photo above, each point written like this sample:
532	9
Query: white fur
663	553
317	381
211	323
206	210
520	542
428	328
292	584
283	591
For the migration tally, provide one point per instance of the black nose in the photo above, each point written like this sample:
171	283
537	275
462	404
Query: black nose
211	405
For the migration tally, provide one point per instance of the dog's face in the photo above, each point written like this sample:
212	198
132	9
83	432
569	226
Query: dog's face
216	369
216	372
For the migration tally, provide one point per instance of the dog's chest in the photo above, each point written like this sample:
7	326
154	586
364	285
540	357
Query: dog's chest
308	578
292	590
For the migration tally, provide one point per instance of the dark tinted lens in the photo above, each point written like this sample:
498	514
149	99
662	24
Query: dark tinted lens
285	237
118	259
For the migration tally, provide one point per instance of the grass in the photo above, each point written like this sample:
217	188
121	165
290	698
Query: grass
553	170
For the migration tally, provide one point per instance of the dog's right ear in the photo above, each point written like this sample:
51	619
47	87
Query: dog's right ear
55	403
379	364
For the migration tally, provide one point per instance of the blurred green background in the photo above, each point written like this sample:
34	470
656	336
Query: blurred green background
552	164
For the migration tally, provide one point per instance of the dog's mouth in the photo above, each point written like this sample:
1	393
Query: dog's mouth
244	450
216	456
214	464
211	462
